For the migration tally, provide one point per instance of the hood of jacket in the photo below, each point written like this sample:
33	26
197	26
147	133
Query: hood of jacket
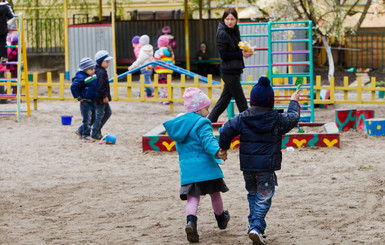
179	128
223	27
147	48
259	119
80	75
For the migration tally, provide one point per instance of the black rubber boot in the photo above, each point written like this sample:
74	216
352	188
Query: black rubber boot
223	219
191	228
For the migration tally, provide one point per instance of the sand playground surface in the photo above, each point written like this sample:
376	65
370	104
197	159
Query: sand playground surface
54	189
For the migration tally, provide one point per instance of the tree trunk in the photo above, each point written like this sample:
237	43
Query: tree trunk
330	58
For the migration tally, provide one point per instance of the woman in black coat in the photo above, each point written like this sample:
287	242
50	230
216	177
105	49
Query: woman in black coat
232	65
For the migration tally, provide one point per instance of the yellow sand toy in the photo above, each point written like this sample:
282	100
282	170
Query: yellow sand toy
246	46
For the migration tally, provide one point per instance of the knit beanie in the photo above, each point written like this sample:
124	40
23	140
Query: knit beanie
166	30
195	99
101	56
135	39
144	40
15	39
163	41
86	64
262	94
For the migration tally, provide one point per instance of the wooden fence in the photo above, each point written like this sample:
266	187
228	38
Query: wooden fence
123	91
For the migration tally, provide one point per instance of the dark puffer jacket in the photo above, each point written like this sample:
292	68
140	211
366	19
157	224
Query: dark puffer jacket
260	131
5	15
103	84
82	89
229	52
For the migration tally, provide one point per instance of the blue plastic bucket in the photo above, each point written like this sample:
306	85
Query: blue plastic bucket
110	139
66	120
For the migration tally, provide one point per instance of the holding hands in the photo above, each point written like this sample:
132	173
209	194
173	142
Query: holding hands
221	154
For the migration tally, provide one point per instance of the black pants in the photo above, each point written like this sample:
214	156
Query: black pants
3	49
232	89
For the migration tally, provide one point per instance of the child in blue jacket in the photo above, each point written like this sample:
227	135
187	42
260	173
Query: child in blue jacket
84	89
260	128
198	152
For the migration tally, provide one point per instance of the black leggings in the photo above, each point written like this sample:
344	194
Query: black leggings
3	49
232	89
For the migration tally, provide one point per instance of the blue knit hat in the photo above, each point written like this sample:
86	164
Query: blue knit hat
86	64
262	94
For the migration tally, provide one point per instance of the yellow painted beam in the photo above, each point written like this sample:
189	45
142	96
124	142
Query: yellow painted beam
113	34
66	46
187	36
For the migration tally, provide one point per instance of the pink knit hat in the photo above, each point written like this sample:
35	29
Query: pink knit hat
195	99
163	41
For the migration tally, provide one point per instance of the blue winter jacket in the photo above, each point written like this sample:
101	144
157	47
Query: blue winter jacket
82	89
260	131
196	147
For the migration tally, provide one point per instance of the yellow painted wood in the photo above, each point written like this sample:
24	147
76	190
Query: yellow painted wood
35	91
61	88
49	84
373	85
66	42
115	86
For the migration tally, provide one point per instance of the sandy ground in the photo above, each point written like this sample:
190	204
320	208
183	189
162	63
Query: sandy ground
54	189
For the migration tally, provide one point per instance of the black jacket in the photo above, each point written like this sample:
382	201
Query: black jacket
229	51
5	15
103	84
260	131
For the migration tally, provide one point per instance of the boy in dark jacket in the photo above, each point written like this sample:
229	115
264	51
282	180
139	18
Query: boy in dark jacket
84	89
103	109
260	128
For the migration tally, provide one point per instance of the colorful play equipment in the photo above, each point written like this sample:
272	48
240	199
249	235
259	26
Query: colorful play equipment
168	66
346	119
375	126
352	119
158	140
283	29
362	117
21	69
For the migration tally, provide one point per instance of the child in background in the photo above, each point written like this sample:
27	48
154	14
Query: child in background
102	108
198	152
12	56
146	54
164	53
260	128
84	89
6	19
136	45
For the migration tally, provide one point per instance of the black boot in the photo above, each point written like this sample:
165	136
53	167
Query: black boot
191	228
223	219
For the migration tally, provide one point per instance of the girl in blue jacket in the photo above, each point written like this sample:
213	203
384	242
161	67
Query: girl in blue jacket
199	155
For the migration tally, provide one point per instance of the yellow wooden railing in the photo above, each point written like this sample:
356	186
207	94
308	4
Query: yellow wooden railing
55	91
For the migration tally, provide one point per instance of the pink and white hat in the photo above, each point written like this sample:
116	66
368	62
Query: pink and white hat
195	99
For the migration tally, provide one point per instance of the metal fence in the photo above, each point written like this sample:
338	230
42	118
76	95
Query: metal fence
46	35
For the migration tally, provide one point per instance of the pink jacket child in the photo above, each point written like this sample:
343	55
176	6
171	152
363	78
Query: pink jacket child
136	45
